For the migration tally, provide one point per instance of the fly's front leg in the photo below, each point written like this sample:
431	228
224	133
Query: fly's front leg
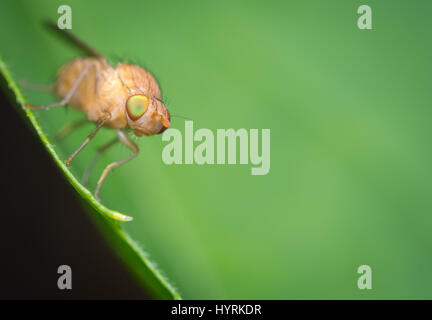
124	138
99	152
100	124
66	98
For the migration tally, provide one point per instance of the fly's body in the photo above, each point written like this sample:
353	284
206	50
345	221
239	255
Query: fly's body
104	88
124	96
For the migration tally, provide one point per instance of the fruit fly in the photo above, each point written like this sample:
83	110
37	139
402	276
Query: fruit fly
120	97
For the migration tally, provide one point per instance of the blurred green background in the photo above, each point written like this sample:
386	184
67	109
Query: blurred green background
349	112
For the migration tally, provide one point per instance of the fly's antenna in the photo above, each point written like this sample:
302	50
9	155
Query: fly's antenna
174	115
178	116
73	38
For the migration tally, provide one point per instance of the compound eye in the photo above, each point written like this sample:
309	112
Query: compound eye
136	106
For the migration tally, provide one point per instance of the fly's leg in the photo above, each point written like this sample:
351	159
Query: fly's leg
99	152
99	125
67	129
124	138
66	98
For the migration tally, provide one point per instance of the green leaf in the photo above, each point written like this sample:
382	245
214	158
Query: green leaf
350	127
108	220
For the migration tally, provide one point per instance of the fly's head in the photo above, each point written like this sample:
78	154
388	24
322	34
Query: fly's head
146	115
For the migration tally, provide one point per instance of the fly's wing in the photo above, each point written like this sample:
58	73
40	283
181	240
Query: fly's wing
74	39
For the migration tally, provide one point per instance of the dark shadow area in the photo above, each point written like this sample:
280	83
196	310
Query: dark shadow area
43	226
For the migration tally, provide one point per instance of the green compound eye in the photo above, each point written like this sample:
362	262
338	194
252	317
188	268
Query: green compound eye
136	106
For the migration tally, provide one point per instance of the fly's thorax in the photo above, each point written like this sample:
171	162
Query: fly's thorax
146	116
111	98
